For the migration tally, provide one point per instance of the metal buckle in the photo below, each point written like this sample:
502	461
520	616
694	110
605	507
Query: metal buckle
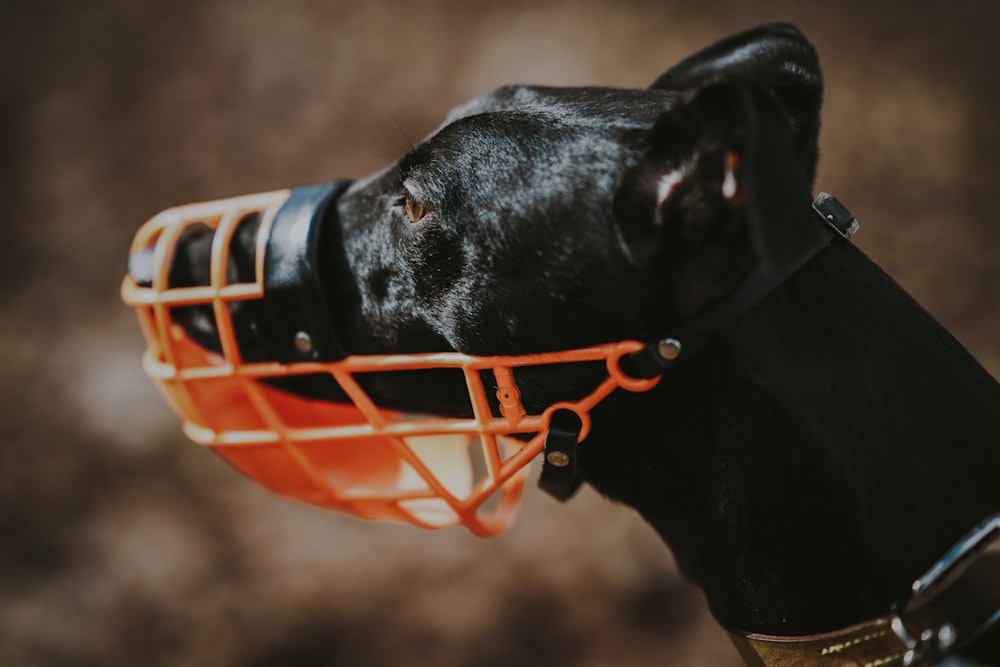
941	632
929	647
978	536
836	215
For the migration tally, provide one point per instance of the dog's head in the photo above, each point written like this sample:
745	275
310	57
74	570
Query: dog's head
549	218
534	219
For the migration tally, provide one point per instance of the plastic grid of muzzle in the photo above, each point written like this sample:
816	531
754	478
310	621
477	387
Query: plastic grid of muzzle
358	457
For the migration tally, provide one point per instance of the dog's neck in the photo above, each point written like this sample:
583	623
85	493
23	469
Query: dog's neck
808	467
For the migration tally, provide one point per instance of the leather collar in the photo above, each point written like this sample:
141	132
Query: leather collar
952	604
870	644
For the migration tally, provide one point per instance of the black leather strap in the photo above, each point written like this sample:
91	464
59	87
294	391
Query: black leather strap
688	337
560	473
761	281
297	311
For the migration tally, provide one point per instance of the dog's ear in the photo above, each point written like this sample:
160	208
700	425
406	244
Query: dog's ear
776	57
719	189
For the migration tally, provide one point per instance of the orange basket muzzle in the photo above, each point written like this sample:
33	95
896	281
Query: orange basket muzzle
348	454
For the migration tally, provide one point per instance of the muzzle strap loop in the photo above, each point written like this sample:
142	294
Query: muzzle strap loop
561	476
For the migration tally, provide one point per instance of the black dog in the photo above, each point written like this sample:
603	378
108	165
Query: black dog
816	454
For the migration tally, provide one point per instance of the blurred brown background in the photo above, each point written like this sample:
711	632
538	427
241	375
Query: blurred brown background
122	544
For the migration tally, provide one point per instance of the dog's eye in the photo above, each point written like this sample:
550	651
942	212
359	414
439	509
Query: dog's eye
415	211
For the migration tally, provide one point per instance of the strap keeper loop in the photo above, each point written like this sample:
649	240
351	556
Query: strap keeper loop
560	473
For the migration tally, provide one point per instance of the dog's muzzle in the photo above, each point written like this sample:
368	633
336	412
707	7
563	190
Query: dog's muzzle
231	298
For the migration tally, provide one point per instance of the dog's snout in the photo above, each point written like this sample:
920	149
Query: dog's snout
253	270
190	263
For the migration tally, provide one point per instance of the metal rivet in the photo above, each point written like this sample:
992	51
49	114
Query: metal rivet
557	458
947	636
852	229
669	348
303	342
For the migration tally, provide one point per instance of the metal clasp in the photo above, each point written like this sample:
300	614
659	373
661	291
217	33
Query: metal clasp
836	215
966	570
928	648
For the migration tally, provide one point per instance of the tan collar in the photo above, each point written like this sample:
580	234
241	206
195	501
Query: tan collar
871	644
952	604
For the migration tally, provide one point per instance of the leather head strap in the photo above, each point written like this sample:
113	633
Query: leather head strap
688	337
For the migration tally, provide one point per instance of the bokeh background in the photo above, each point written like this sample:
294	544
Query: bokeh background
122	544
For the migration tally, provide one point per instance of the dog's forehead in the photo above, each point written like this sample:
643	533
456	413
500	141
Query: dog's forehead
584	105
